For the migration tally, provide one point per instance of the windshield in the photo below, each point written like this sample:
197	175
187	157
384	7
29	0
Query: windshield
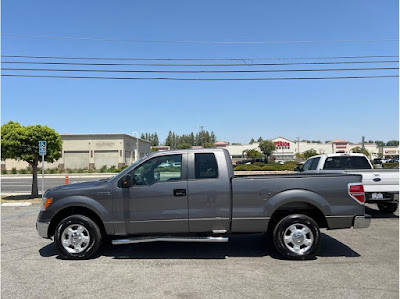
122	173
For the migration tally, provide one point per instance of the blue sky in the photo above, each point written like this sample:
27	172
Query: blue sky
234	110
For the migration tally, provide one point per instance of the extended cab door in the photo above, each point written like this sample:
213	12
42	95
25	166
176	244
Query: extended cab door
209	192
157	200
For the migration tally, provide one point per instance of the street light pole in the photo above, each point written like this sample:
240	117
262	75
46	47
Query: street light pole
137	145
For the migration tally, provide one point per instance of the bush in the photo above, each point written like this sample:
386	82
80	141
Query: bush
51	170
4	171
14	170
247	167
23	171
390	165
69	170
103	168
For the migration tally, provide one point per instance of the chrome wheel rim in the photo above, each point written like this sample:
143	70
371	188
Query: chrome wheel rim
75	238
298	238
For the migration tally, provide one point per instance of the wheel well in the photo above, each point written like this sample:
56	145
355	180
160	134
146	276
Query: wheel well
75	211
298	208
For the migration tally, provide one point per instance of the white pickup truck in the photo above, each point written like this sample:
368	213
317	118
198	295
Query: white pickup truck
381	186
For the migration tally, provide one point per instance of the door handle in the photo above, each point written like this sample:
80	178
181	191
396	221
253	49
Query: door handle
179	192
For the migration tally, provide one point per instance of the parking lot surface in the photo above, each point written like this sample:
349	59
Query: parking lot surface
350	264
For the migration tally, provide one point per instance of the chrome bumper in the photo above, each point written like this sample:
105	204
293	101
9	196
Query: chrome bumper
42	229
362	221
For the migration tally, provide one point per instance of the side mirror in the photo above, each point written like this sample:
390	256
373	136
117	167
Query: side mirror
126	181
297	168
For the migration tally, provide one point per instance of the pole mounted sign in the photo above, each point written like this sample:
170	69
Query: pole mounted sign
42	152
42	148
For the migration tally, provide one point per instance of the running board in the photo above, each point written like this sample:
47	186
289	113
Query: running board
169	239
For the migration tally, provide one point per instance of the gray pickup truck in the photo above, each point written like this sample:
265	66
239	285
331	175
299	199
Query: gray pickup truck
194	196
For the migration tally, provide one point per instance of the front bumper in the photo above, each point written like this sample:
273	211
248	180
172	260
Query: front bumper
42	229
362	221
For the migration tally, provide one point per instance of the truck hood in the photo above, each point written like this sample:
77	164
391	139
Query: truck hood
79	186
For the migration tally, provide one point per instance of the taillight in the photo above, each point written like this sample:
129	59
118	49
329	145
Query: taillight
356	191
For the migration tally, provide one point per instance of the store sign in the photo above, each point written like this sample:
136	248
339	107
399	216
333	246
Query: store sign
282	143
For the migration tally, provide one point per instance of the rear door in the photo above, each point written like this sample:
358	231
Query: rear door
209	192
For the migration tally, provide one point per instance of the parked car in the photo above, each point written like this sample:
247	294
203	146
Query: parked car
203	202
380	161
394	160
381	185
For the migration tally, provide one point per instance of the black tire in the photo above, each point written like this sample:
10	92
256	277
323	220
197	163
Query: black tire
300	221
92	229
387	207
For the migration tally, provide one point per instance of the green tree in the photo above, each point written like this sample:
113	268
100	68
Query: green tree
209	145
252	154
392	143
259	139
267	147
358	150
22	143
184	146
252	141
309	153
379	143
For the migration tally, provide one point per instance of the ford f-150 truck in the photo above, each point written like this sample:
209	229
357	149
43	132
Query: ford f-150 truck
381	186
199	200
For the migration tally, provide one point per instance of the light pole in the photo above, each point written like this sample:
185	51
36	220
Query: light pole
137	145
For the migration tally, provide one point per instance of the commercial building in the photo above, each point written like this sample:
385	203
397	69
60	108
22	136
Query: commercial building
93	151
287	149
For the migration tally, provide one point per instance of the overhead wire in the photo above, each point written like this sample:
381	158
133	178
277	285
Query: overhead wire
197	59
197	72
201	79
200	65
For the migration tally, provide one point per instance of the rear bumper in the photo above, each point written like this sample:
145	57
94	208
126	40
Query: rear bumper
362	221
42	229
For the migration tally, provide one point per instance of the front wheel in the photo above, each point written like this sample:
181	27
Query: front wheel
388	207
77	237
297	237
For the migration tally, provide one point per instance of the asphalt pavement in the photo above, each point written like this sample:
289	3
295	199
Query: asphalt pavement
350	264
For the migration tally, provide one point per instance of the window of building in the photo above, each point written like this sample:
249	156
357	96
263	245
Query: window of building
205	166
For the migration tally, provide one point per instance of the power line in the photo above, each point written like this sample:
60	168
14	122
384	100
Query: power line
202	65
197	42
196	72
201	79
196	59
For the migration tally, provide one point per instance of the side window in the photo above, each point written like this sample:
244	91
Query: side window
307	165
158	169
314	163
205	166
333	163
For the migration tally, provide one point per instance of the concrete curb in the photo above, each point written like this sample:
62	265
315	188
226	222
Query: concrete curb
59	176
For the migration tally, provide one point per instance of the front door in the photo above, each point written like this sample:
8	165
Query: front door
157	201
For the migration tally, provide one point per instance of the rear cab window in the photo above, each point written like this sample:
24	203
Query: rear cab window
205	166
346	162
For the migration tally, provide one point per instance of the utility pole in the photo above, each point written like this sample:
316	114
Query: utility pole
298	147
363	145
201	135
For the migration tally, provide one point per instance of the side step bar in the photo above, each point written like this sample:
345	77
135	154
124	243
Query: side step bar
169	239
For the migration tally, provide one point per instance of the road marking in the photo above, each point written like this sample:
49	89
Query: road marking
16	204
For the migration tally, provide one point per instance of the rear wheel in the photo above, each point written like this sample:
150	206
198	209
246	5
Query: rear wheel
77	237
297	237
388	207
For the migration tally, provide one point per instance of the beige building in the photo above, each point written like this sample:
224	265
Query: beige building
287	149
93	151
